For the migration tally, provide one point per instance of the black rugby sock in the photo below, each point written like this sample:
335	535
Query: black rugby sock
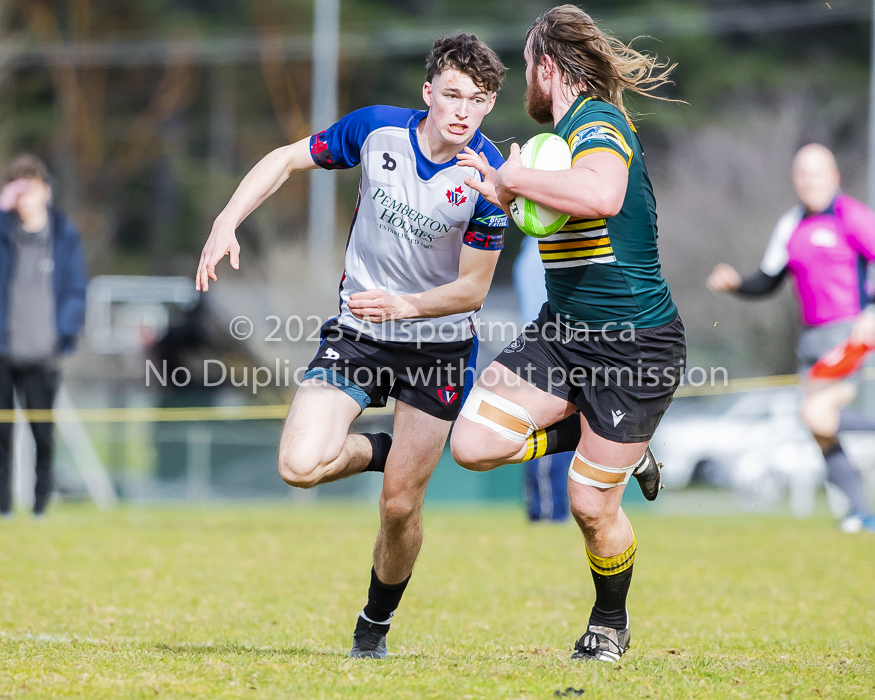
383	600
559	437
381	443
847	477
612	577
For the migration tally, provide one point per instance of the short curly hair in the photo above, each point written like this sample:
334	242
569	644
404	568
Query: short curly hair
467	54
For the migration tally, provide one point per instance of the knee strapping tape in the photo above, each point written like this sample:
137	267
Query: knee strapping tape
506	418
589	473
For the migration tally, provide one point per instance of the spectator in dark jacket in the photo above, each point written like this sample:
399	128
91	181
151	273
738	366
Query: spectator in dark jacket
42	310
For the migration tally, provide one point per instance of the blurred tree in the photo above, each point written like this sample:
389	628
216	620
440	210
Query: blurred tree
150	111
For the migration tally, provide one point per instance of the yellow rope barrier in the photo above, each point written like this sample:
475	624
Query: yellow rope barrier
734	386
279	412
158	415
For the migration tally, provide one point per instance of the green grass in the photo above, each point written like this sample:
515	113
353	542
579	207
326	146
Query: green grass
259	602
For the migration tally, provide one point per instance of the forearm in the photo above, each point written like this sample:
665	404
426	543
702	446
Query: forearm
460	296
579	192
265	178
759	284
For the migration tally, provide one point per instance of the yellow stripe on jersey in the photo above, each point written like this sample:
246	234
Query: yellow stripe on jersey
583	225
570	255
575	243
612	130
600	149
580	106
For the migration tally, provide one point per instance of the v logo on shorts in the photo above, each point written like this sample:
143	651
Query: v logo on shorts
618	416
447	395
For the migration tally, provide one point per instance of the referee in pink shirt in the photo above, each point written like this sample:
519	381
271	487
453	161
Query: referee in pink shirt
825	244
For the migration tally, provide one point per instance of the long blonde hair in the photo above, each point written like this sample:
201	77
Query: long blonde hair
591	60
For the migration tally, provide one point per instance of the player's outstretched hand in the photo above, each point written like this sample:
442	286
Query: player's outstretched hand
495	183
724	278
377	306
222	242
469	158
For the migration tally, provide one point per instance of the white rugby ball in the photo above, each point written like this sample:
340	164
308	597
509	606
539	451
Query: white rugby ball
543	152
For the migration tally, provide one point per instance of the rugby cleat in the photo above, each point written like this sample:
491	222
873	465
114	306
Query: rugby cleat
648	476
857	522
368	642
602	644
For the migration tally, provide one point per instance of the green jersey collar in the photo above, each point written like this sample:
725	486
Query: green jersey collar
578	104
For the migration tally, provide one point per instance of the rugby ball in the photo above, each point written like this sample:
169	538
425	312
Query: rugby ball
543	152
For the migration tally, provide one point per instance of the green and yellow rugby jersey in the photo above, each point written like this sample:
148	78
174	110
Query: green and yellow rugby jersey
607	270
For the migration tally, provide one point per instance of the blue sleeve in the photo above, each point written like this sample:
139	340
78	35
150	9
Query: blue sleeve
339	146
486	228
70	314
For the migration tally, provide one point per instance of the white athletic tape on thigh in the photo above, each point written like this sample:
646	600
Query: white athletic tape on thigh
506	418
591	474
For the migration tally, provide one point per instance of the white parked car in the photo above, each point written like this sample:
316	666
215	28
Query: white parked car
753	443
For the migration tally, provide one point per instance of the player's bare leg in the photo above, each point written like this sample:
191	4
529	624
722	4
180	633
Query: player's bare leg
822	404
418	443
821	409
597	479
479	447
560	430
315	447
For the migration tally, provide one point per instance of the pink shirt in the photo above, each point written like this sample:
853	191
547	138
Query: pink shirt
827	255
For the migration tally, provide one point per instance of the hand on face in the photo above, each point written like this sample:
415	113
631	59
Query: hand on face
11	193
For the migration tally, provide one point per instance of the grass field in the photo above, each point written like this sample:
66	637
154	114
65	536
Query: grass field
259	602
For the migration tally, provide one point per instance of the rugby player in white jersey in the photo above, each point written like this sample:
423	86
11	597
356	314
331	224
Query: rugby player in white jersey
419	260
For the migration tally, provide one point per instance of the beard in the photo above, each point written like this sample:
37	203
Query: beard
538	103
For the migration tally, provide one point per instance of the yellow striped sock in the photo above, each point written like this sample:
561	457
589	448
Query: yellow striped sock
536	445
610	566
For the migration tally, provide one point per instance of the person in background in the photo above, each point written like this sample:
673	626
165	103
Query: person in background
42	310
545	479
824	243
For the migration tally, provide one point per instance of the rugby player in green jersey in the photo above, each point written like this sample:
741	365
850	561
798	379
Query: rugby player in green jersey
597	369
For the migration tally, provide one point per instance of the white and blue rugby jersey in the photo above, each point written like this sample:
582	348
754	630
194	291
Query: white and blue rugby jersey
411	219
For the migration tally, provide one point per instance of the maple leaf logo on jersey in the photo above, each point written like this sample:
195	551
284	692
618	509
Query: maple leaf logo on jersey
447	395
456	196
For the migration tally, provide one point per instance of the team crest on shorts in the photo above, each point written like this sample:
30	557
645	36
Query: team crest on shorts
447	395
516	345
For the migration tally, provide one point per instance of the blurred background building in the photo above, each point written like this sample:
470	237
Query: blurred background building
149	113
